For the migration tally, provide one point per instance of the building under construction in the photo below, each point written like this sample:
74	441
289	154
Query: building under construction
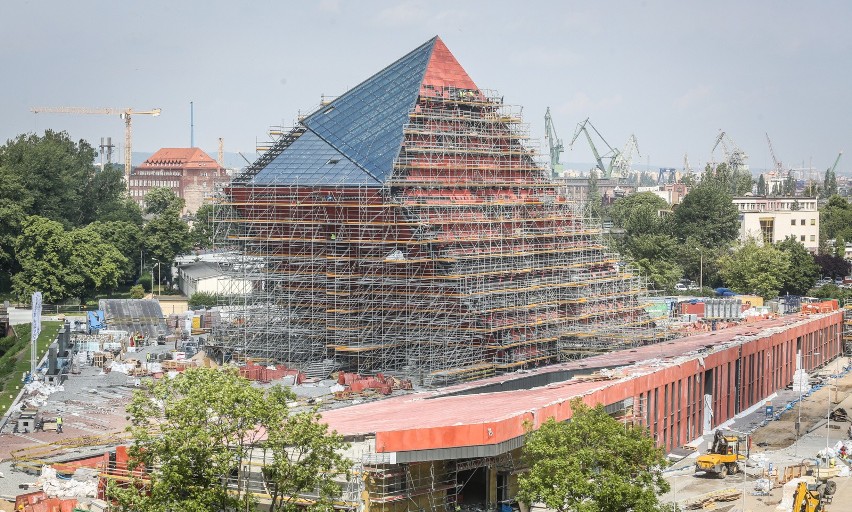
407	226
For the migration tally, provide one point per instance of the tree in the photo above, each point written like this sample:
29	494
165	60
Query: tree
655	255
200	300
93	265
164	237
592	463
707	214
593	197
761	186
639	214
829	183
49	176
42	250
195	435
64	264
127	238
803	271
832	266
137	291
202	227
755	268
161	200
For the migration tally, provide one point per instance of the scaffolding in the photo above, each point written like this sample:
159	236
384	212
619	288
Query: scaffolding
442	485
466	262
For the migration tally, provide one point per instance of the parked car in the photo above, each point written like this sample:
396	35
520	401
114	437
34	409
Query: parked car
681	287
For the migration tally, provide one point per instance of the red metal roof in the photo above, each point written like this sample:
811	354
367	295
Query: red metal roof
444	70
437	419
186	158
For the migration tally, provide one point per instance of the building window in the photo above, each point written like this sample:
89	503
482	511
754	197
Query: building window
813	222
767	228
813	238
802	238
803	222
792	222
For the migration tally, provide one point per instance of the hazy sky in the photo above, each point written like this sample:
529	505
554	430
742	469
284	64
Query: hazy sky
673	73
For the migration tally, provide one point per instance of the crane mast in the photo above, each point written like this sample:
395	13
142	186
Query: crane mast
555	144
582	128
124	113
621	161
779	168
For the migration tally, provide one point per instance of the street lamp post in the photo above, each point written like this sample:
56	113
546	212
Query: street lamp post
152	276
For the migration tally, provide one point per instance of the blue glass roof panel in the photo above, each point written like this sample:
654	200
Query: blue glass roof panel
311	161
366	123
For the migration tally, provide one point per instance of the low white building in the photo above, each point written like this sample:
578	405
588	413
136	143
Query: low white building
773	219
207	277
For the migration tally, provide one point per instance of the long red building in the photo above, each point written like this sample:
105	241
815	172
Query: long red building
469	436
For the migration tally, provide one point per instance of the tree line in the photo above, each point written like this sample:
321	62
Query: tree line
698	240
69	228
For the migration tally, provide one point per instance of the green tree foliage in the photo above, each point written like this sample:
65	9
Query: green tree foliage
161	200
647	239
640	214
756	269
594	201
55	178
708	215
655	255
42	251
734	181
127	238
137	291
164	237
835	219
200	300
832	266
202	227
803	270
93	264
195	435
106	200
592	463
761	186
64	264
50	176
829	183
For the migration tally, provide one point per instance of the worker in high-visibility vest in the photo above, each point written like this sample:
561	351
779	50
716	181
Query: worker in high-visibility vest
59	424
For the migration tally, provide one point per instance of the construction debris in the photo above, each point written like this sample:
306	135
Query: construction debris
707	500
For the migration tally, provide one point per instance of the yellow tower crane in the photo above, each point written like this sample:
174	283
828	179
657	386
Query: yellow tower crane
124	113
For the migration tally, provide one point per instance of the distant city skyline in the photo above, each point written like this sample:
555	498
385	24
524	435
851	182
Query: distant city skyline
672	73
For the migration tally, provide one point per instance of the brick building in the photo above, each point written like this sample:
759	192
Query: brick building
189	172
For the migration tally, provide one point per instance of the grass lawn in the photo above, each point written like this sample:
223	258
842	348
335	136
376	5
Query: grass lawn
15	361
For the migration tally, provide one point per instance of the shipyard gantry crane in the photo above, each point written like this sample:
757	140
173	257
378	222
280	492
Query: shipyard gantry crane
582	128
124	113
734	156
555	144
620	166
779	167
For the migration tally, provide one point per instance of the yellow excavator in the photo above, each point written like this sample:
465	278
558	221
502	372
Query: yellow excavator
723	455
812	498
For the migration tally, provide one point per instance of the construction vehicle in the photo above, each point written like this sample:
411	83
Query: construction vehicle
814	497
723	456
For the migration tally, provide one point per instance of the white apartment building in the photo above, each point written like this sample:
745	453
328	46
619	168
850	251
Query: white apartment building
773	219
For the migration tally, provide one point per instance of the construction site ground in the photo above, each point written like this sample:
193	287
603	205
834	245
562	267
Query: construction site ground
774	442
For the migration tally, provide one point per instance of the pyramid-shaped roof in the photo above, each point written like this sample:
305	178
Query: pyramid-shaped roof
354	139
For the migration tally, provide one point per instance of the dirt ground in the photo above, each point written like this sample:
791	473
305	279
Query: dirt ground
776	443
782	433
